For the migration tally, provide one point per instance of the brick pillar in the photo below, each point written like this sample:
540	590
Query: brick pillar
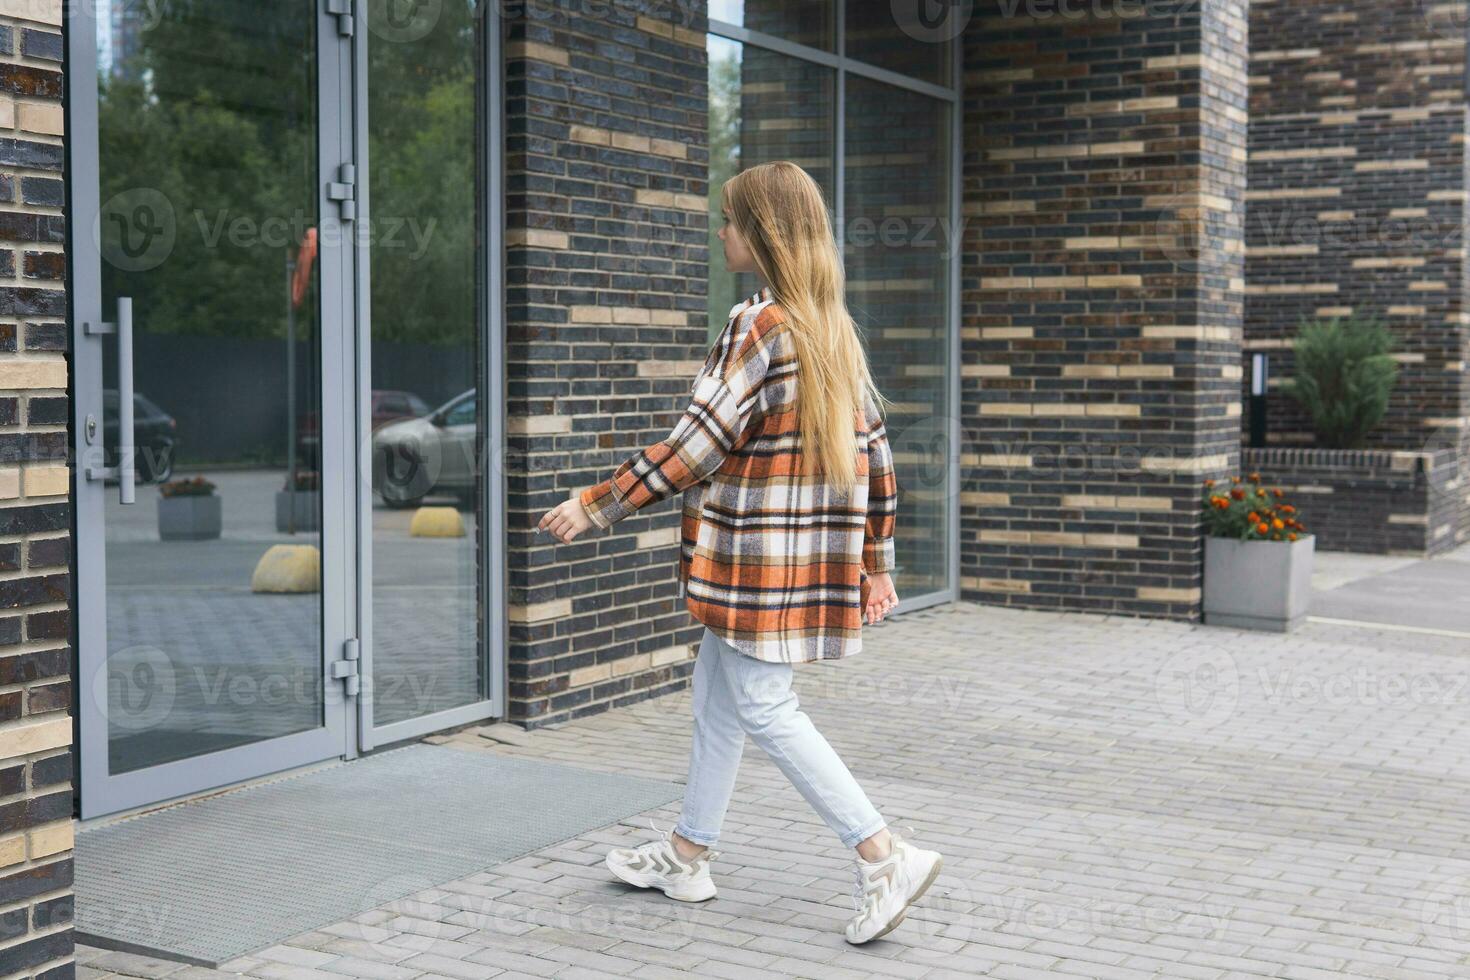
1103	186
607	182
35	622
1357	203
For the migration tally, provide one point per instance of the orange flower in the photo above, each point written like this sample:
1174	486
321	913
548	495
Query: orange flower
1255	478
1277	492
1278	524
1235	479
1238	494
1288	509
1253	517
1291	536
1260	492
1261	529
1209	483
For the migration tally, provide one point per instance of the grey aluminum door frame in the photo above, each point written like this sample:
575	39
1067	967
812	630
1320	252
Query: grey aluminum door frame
103	792
490	382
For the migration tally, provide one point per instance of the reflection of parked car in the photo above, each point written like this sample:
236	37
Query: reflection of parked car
413	458
155	434
388	406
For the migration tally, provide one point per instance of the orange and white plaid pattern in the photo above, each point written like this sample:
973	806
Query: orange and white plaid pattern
774	563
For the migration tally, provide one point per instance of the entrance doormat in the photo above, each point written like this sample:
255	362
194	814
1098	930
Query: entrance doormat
210	880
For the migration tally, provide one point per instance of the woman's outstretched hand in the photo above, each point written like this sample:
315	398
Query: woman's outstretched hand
882	599
566	520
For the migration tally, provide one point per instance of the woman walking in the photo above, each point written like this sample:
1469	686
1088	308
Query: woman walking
786	544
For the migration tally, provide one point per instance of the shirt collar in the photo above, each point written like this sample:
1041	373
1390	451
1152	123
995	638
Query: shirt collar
764	296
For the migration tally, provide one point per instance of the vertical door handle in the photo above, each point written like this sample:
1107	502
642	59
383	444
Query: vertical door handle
126	469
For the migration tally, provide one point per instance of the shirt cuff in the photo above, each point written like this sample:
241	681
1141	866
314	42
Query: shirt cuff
599	503
879	556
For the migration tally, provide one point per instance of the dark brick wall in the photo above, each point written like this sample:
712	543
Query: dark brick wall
1357	202
606	170
1373	502
1104	163
35	510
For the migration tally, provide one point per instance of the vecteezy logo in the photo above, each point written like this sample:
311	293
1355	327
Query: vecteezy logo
136	688
1445	911
136	229
1198	688
923	452
405	895
403	21
1179	228
932	21
1448	20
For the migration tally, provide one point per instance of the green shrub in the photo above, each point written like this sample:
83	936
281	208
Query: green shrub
1344	373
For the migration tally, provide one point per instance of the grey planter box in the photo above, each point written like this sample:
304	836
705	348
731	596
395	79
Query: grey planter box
1259	585
194	518
308	506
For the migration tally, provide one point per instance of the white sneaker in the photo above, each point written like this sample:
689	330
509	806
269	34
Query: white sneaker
884	890
657	865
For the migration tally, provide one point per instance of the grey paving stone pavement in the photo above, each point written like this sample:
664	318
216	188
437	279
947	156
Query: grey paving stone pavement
1115	797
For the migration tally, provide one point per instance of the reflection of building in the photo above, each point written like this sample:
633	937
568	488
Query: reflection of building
1044	227
130	18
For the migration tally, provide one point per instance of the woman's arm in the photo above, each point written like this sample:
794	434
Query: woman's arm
715	423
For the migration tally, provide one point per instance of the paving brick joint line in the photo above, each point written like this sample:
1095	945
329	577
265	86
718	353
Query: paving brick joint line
1114	797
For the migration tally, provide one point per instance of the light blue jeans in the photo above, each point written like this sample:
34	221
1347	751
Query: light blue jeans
736	695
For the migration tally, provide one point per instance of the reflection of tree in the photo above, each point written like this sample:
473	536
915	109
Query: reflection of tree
422	168
724	163
217	112
217	109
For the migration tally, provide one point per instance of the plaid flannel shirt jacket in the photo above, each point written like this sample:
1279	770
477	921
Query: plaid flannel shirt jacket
774	564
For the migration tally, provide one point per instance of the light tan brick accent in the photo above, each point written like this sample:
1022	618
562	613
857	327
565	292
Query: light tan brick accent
12	850
47	481
535	51
1170	595
996	584
540	612
671	655
663	537
591	674
40	11
41	117
537	238
668	369
51	839
32	372
34	736
535	425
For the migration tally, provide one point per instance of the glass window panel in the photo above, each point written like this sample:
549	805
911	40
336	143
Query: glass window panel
207	155
763	106
911	37
896	199
808	22
423	84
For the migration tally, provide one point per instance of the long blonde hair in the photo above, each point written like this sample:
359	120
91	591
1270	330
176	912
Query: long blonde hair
778	210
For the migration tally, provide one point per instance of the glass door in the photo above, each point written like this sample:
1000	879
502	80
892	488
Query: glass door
432	617
213	292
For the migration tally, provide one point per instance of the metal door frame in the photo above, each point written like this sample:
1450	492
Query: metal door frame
490	380
102	792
